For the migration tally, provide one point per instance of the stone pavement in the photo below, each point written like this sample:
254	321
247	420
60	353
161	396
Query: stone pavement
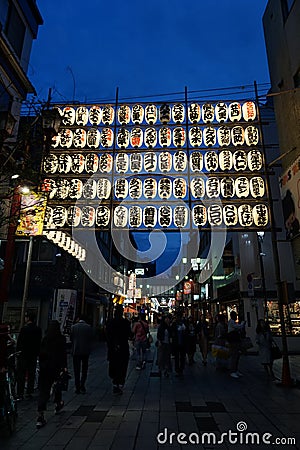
204	400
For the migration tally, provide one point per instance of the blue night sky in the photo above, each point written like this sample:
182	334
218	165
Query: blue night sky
146	47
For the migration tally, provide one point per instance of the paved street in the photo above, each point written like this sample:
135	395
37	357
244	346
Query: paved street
204	400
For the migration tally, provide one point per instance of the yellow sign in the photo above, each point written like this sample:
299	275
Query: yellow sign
32	212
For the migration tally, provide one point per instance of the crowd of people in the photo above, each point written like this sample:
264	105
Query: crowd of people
177	338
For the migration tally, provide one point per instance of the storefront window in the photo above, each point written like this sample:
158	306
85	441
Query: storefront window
291	318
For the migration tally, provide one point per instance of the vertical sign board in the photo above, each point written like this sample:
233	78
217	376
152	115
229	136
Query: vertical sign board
64	309
290	195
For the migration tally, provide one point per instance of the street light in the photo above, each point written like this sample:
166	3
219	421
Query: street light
260	238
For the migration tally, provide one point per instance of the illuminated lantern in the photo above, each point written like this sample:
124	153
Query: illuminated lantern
49	186
102	216
209	136
88	216
59	216
95	115
255	160
179	188
57	237
93	138
165	113
180	216
66	138
68	116
196	161
180	161
164	188
199	215
213	187
75	189
55	141
194	112
225	160
89	189
135	188
107	137
150	216
240	160
230	215
227	187
221	111
91	162
137	114
195	136
223	135
64	163
208	113
103	188
108	114
150	137
50	163
122	163
211	161
121	188
136	137
150	161
245	215
260	215
251	135
136	162
105	163
123	138
257	187
62	188
135	216
237	135
150	188
165	216
165	161
82	116
249	111
242	187
178	113
48	217
151	114
164	137
124	114
73	216
198	187
79	138
235	112
215	215
78	161
179	136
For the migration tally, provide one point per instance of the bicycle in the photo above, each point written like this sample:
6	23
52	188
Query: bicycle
8	402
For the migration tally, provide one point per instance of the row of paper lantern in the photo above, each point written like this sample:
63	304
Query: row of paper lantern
65	242
151	162
245	215
150	137
164	113
150	188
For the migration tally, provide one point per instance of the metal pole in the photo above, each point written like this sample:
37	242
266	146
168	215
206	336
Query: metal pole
26	282
263	279
83	293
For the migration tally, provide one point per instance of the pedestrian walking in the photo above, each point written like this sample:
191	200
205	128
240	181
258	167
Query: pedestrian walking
164	347
220	342
202	332
118	332
264	340
81	339
191	340
28	343
140	330
178	342
53	364
235	331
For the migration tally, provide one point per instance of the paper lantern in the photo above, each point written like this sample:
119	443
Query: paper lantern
78	163
212	187
249	111
237	135
93	138
149	216
221	111
179	137
108	114
165	216
66	138
196	161
227	187
179	188
245	215
240	160
195	136
225	160
68	116
198	187
59	216
91	162
102	216
180	161
235	112
123	137
260	215
105	163
165	137
124	114
209	136
164	188
199	215
55	141
180	216
165	161
208	113
88	216
242	187
79	138
165	113
215	215
224	136
194	112
251	135
136	137
150	188
107	137
62	188
122	163
178	113
257	187
135	188
135	216
136	162
151	114
121	188
75	189
150	137
95	115
82	116
230	215
64	163
103	188
50	163
137	114
211	161
255	160
89	189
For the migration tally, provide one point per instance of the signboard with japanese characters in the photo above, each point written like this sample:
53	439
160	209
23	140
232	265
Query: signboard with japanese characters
157	165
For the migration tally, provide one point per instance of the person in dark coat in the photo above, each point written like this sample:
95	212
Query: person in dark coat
178	339
164	346
28	343
118	332
53	364
81	338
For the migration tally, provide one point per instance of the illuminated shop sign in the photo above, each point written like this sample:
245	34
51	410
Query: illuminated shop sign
157	165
